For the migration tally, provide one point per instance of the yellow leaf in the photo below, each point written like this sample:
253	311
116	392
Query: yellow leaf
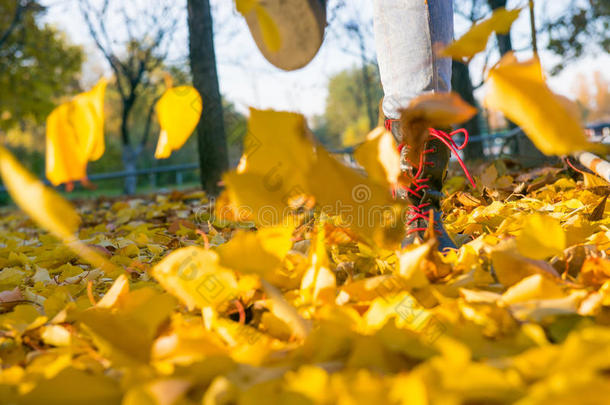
438	110
510	267
541	237
364	206
260	252
125	332
489	176
56	335
475	40
118	290
409	389
591	180
411	261
379	157
319	283
194	276
280	165
245	6
43	204
533	287
277	156
47	208
286	312
74	387
75	135
519	91
310	381
178	112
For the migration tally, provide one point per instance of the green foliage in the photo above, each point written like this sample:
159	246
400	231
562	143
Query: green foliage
346	121
37	66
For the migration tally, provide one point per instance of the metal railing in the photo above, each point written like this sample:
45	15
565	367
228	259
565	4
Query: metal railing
151	172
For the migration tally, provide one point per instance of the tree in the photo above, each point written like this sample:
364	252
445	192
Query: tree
583	28
355	36
133	53
593	97
212	143
347	116
462	84
37	65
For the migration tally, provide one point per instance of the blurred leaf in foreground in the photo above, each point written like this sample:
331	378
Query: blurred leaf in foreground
519	91
475	40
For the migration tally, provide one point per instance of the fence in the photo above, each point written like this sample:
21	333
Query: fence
151	172
490	141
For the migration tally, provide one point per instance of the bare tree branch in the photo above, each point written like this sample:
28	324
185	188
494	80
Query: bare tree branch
20	10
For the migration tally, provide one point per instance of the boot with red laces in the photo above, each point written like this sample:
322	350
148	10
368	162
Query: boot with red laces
424	193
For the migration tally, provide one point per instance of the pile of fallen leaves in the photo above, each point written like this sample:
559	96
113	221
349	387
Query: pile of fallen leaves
519	313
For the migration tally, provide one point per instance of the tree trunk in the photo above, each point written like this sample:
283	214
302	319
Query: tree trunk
130	159
504	42
130	155
212	144
462	84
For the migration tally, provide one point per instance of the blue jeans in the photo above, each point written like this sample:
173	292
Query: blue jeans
407	33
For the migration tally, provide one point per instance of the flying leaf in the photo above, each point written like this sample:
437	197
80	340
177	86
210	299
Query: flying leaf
43	204
519	91
178	112
364	205
277	156
75	135
379	157
47	208
438	110
475	40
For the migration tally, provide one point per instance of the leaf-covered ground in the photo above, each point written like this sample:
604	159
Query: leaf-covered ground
520	313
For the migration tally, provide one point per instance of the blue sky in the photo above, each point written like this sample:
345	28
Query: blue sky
248	80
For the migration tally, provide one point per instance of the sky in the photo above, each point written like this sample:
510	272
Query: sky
248	80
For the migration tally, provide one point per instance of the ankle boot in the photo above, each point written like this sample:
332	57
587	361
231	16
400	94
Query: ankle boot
424	193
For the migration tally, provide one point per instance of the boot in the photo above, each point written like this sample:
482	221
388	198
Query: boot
424	193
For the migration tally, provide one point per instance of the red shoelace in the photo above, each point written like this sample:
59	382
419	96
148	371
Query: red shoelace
421	210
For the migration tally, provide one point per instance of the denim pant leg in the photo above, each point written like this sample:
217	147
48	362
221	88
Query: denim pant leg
406	34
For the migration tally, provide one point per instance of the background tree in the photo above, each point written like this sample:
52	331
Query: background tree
135	46
582	29
346	119
37	65
212	143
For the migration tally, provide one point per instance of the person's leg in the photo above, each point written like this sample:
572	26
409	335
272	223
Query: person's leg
406	32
